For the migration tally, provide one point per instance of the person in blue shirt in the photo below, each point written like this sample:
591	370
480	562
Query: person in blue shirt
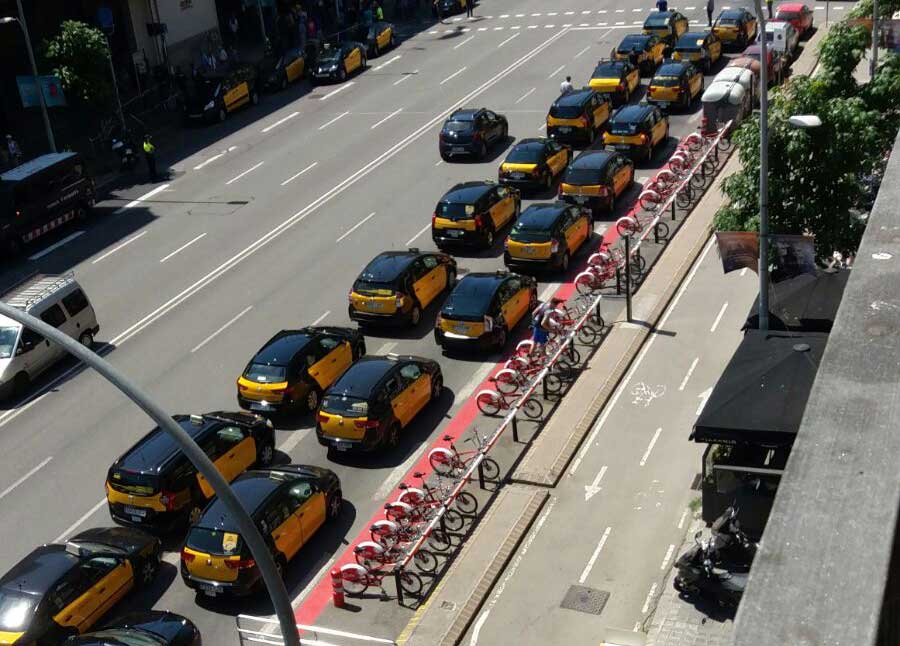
662	5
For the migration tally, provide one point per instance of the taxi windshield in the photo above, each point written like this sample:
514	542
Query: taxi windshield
264	373
214	541
16	609
331	56
524	156
7	341
455	211
566	111
346	406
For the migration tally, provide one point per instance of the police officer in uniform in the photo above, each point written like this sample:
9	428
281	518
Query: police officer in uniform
150	156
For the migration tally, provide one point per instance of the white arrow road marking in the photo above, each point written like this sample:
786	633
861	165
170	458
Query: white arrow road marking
703	397
593	559
594	488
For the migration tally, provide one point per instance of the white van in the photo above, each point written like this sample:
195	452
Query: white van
782	37
24	354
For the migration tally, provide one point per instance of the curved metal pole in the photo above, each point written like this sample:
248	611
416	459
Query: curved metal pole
274	584
763	170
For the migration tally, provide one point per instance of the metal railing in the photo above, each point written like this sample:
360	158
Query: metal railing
262	630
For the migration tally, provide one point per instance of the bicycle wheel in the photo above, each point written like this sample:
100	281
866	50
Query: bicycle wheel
488	403
587	334
411	583
453	520
662	229
532	409
440	540
597	321
697	180
442	461
507	381
489	467
570	357
724	144
553	383
650	200
684	197
466	503
425	560
710	165
639	263
354	581
585	282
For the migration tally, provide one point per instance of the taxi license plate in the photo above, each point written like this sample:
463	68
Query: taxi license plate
528	250
209	590
458	149
135	512
622	147
565	129
376	305
461	328
341	446
581	199
454	233
518	175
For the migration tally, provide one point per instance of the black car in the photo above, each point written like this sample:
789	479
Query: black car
471	214
450	7
147	628
338	62
288	505
212	97
277	72
44	597
471	132
534	163
381	37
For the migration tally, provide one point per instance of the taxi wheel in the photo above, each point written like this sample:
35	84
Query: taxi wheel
564	263
393	435
222	114
501	337
335	504
312	399
254	97
451	280
415	315
149	568
548	181
482	151
393	40
267	454
489	239
437	387
86	339
376	51
283	82
342	75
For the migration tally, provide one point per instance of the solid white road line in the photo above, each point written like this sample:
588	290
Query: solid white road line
221	329
556	71
650	446
640	358
392	114
40	466
581	52
667	557
424	229
474	381
387	347
456	73
121	246
386	63
208	161
506	41
145	196
296	436
182	247
312	583
71	528
524	96
439	162
689	373
593	559
681	520
649	598
321	318
356	226
246	172
719	317
153	316
393	478
340	89
511	571
404	77
340	116
458	45
293	177
56	245
279	122
548	291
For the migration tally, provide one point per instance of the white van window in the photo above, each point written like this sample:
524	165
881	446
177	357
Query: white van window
75	302
7	341
53	316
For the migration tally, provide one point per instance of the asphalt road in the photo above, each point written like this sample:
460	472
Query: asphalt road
265	228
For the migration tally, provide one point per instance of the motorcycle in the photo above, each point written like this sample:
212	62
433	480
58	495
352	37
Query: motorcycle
696	579
125	151
733	549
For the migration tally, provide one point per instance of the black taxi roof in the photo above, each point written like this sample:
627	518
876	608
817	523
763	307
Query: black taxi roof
361	377
575	97
156	448
252	490
467	192
640	40
631	113
690	38
464	114
473	294
659	18
541	216
532	143
611	69
40	570
282	347
592	159
734	13
672	68
388	265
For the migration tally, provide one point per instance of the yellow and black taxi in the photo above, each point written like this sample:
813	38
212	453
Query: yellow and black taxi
595	179
702	48
547	235
143	628
212	97
483	309
616	79
636	130
471	131
58	591
675	83
578	117
471	214
534	163
338	62
154	486
397	285
381	37
668	25
277	72
735	27
378	396
288	505
644	51
296	366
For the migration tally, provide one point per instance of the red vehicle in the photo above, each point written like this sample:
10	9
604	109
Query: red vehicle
774	66
798	14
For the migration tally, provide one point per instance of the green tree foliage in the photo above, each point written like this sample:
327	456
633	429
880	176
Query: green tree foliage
839	55
863	9
80	57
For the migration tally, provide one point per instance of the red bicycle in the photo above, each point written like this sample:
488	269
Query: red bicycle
630	225
450	461
491	402
388	533
407	514
464	501
373	556
357	579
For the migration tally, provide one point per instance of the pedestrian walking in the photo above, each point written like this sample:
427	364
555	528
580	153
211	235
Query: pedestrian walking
710	7
437	10
769	8
662	5
379	12
150	156
543	322
15	152
470	8
566	86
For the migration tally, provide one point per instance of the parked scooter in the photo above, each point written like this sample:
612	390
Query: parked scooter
733	550
703	578
125	151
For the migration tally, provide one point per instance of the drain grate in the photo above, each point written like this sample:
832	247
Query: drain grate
585	599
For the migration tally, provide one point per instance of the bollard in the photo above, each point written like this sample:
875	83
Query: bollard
337	588
619	279
480	484
628	277
397	573
674	199
515	427
656	233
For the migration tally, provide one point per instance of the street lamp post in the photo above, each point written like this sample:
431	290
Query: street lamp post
874	63
763	170
34	73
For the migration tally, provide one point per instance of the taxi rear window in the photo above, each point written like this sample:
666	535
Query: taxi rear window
656	22
523	232
140	484
608	71
345	406
459	126
582	176
362	286
524	156
565	111
728	21
264	374
624	128
689	44
455	211
666	81
215	541
469	300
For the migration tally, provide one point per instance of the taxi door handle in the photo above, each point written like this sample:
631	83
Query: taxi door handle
101	590
231	455
276	536
67	617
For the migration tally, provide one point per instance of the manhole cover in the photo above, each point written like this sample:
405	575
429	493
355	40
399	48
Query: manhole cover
585	599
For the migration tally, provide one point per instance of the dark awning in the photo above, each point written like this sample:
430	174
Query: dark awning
761	395
804	303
